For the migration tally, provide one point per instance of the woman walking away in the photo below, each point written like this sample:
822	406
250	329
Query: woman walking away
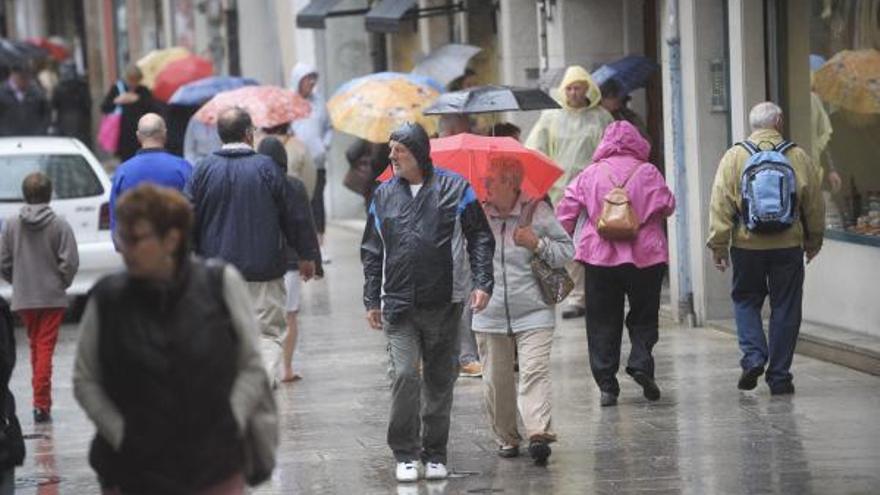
517	319
624	251
167	366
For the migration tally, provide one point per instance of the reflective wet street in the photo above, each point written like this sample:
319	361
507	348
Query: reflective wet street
702	437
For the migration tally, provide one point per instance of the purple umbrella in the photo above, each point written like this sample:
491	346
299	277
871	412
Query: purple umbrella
198	92
631	72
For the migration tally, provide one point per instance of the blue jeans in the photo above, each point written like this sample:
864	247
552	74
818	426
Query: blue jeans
778	273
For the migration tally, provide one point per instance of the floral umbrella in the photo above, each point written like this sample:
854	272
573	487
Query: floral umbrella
152	63
268	106
851	80
371	107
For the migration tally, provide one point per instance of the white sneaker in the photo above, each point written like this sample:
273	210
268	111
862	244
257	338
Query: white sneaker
407	472
435	471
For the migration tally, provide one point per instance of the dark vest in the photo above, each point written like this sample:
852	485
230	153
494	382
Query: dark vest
168	360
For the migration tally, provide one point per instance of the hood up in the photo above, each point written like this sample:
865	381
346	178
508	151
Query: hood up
576	73
299	71
622	138
36	216
414	137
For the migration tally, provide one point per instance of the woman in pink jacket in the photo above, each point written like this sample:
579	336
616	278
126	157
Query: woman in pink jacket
615	270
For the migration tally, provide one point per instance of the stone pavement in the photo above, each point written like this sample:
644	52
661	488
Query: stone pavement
702	437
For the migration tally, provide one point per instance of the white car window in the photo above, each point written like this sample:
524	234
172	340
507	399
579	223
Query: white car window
71	176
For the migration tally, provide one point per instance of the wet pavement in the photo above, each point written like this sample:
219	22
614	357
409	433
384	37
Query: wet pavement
702	437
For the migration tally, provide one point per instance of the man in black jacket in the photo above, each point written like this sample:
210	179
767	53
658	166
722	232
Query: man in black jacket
24	110
419	222
246	214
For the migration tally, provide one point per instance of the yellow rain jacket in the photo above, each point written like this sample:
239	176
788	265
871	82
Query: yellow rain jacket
725	229
569	136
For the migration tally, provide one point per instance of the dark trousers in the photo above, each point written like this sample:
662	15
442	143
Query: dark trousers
421	402
606	288
778	273
318	200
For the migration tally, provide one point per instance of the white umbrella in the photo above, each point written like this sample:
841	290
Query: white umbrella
446	63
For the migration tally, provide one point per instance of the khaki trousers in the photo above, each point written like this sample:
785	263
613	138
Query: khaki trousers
500	387
268	302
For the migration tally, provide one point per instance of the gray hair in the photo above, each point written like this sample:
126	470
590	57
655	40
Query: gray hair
765	115
151	126
508	169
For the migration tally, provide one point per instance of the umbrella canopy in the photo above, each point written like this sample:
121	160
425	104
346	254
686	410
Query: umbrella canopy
152	63
632	72
19	52
372	106
446	63
851	80
268	106
470	156
196	93
485	99
179	72
57	51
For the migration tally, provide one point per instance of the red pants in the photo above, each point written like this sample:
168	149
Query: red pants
42	329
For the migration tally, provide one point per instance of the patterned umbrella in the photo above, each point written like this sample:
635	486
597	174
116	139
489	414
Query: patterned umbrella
179	72
198	92
268	106
851	80
371	107
153	63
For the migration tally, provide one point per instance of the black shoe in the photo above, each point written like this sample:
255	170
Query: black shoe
649	386
540	451
508	451
748	380
42	416
785	388
573	313
608	399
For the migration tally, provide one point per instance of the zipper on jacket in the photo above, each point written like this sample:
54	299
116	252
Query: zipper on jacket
504	276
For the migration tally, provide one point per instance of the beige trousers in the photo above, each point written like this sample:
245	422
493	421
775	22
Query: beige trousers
268	302
500	387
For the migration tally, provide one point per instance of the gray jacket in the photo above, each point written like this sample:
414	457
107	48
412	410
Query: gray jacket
40	247
516	304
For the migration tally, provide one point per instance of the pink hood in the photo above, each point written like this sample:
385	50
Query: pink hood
622	154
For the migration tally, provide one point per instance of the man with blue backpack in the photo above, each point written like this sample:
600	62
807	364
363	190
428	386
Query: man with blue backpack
766	214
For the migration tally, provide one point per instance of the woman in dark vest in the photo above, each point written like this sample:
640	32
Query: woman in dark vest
167	367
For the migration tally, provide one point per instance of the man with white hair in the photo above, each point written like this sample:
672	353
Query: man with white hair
151	163
766	215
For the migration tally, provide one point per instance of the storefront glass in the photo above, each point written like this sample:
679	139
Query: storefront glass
844	48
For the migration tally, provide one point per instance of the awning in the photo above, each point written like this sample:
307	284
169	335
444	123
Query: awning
312	16
385	16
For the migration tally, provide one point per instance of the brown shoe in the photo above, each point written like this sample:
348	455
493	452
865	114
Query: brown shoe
472	370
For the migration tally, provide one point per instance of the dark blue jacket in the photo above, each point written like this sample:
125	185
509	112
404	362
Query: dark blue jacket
246	214
153	165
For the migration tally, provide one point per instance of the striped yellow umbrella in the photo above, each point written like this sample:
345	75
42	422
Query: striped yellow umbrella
371	107
152	63
851	80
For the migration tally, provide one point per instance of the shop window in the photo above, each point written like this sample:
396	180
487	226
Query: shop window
844	81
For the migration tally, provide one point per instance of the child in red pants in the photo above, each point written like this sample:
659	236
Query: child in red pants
38	256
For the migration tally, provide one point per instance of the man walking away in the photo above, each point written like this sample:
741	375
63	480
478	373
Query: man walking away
412	237
766	240
152	163
245	214
39	258
24	109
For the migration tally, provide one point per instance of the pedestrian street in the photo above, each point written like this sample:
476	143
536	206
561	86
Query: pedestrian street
702	437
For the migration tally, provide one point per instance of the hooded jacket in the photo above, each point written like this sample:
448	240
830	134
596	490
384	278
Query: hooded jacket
568	135
622	153
410	242
38	257
315	130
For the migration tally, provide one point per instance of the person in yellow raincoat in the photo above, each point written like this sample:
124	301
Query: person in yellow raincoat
569	136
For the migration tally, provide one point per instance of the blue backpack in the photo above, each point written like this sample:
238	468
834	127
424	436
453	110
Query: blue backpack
768	188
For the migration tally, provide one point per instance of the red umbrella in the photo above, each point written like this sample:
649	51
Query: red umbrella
179	72
57	51
470	155
268	106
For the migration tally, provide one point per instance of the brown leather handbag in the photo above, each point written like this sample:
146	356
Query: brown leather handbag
618	220
554	283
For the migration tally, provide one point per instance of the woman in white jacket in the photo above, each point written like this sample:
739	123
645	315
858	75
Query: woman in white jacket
516	318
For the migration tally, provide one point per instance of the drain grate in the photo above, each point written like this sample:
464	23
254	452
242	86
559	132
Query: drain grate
486	490
463	474
38	480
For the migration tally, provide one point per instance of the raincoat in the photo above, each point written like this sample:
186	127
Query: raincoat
622	153
570	135
315	130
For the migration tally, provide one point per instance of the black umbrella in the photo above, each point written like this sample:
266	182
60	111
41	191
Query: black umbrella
19	52
486	99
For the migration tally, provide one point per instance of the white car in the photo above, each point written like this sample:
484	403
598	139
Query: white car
80	194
